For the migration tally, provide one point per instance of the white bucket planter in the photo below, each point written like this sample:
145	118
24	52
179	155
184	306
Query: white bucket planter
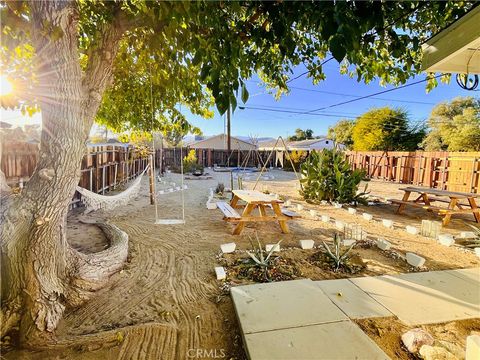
340	225
307	244
383	244
313	213
325	218
220	272
367	216
228	248
275	247
446	239
211	205
299	207
387	223
352	211
414	259
411	229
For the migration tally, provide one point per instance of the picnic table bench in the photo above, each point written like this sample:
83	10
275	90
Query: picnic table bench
255	200
452	198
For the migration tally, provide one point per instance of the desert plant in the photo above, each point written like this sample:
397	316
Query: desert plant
220	189
338	257
258	255
327	176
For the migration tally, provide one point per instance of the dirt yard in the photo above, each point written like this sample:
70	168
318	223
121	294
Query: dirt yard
167	304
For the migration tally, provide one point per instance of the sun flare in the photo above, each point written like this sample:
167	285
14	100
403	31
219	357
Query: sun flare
6	87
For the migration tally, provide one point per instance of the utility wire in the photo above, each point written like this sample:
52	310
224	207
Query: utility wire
371	95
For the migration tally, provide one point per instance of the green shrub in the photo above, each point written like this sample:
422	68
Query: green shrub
298	157
327	176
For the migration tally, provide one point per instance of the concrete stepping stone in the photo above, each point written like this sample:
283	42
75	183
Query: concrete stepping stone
338	340
472	275
353	301
424	298
280	305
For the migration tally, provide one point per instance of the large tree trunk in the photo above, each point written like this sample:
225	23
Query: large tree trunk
41	274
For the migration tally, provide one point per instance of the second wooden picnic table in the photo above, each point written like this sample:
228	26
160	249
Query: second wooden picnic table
255	199
425	200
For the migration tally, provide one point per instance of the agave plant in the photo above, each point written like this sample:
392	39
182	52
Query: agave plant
260	257
338	257
327	176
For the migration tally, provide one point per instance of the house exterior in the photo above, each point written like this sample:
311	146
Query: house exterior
303	145
219	142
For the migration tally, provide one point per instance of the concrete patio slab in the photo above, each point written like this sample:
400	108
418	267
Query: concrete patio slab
353	301
424	298
452	283
472	275
338	340
273	306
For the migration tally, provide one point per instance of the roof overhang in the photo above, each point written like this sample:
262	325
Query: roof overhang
455	49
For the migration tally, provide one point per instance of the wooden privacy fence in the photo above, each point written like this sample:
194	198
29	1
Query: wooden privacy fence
171	157
453	171
104	167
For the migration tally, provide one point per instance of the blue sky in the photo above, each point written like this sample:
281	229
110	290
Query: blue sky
304	96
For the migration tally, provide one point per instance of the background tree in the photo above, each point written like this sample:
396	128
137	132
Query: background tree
342	132
454	126
64	56
385	129
301	135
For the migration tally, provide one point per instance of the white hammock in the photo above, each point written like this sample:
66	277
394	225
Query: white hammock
94	201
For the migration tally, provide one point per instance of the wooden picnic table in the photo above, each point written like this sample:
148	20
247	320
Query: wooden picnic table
255	200
427	196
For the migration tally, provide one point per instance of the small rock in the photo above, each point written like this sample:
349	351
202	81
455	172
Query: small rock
467	235
456	350
415	338
299	207
220	272
352	211
367	216
387	223
446	239
325	218
211	205
307	244
428	352
348	242
473	347
228	248
477	251
275	247
414	259
383	244
313	213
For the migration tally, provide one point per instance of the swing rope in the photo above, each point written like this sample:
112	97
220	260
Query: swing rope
157	220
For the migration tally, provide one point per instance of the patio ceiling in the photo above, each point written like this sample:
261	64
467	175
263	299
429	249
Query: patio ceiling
455	49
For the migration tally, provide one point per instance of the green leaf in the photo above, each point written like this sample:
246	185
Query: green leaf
245	94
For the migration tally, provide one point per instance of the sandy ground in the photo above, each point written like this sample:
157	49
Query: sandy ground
167	304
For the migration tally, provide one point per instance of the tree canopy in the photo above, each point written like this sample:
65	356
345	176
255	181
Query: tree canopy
385	129
454	126
342	132
301	135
